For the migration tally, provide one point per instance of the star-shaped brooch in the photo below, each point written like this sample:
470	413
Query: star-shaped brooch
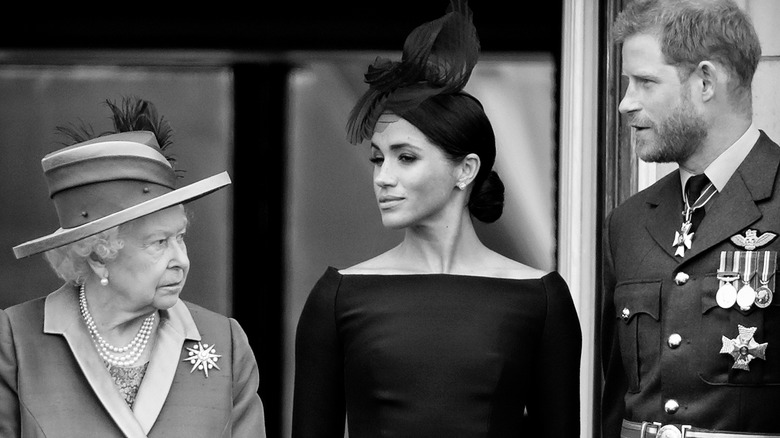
744	348
203	357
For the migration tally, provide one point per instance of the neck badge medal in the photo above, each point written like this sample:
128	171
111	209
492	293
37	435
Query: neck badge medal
683	239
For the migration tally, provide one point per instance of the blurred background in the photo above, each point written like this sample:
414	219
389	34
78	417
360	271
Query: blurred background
264	93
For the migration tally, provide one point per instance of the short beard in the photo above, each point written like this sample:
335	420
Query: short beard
678	136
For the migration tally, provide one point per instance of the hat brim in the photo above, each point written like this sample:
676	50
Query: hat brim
64	236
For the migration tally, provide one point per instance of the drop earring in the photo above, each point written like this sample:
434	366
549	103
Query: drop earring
104	280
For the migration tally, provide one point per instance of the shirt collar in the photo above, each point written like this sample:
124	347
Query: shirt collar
722	168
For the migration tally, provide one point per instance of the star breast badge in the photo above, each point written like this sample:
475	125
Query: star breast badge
202	357
744	348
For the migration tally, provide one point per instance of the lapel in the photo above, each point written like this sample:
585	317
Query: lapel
733	210
665	216
62	316
176	326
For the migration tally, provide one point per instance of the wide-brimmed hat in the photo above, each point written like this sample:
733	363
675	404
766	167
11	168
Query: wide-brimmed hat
104	182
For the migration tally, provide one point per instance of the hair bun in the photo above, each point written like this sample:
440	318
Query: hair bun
487	199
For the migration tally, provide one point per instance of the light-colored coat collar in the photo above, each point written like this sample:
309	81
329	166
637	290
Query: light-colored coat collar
62	316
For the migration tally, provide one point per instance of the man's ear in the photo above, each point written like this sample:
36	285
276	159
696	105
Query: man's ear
709	76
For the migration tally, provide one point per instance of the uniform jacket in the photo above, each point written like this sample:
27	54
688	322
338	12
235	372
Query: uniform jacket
644	306
53	383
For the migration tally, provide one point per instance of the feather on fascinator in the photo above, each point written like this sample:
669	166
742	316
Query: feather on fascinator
438	58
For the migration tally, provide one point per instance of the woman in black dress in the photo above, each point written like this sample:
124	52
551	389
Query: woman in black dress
440	336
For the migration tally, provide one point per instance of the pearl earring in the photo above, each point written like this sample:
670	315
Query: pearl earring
104	280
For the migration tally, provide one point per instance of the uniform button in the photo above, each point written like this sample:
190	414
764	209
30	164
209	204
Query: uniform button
674	340
681	278
625	314
671	406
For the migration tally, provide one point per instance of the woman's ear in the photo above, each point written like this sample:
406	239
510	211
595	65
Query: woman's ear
97	265
467	170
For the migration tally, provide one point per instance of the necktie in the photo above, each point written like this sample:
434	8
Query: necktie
698	190
693	189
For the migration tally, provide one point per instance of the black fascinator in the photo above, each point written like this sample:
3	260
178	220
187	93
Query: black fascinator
438	58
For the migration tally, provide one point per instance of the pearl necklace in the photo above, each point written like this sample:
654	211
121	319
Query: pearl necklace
116	356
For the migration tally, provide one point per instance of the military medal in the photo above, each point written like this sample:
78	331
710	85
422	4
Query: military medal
683	239
753	269
726	296
764	292
744	348
763	297
746	295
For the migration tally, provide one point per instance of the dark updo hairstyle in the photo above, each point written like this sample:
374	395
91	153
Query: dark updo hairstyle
457	124
426	89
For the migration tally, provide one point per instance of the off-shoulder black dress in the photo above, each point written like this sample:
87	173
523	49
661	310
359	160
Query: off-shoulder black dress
437	355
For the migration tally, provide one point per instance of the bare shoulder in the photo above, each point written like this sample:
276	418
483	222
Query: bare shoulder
504	267
382	264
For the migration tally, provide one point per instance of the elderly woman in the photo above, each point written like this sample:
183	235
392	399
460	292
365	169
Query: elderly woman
115	352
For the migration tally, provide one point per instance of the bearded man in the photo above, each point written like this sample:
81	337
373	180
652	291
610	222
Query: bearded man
690	330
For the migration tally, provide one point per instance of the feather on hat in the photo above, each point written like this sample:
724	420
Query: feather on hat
104	181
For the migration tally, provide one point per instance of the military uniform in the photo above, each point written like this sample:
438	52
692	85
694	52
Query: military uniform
673	355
